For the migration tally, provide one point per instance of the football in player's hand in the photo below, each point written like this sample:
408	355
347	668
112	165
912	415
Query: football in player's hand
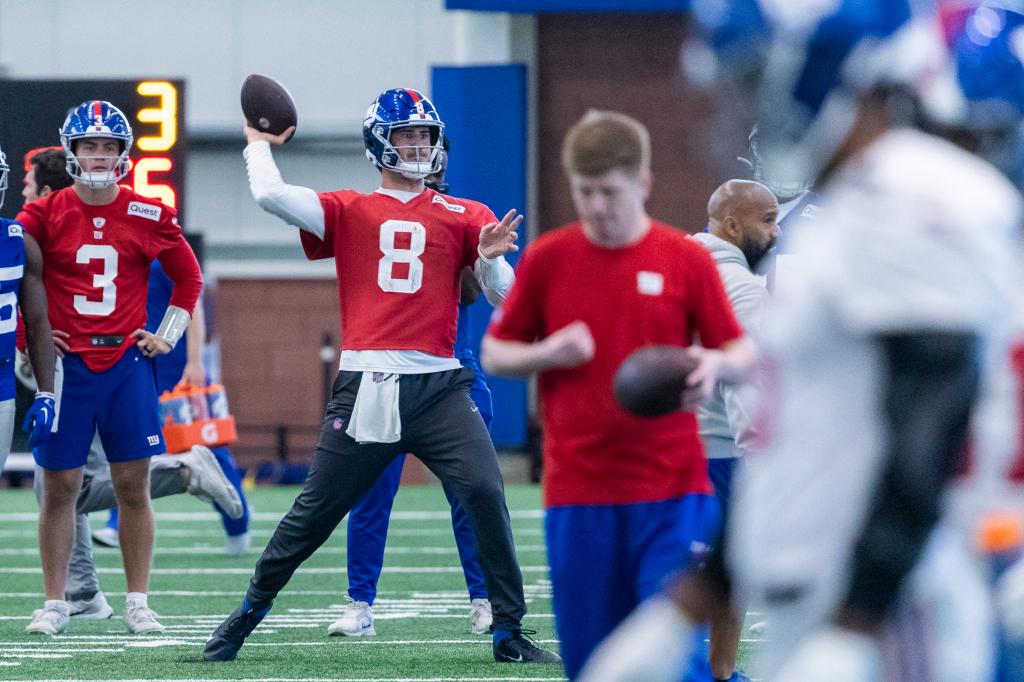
651	381
267	105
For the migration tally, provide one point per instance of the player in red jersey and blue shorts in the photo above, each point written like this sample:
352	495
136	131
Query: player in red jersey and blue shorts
399	252
98	240
627	499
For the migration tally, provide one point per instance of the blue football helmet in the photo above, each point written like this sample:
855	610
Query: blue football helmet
400	108
811	61
4	172
97	119
986	41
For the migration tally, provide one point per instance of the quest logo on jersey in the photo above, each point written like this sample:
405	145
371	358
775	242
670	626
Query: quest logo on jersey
15	231
454	208
148	211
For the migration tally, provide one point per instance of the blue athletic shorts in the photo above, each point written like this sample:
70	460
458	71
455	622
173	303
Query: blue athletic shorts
120	403
606	559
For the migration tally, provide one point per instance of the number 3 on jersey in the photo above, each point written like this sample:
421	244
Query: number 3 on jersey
386	280
103	281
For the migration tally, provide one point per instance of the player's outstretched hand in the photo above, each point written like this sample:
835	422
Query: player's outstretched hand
39	419
149	344
497	239
251	135
60	346
702	379
570	346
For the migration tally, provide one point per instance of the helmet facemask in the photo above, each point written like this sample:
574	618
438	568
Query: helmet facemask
97	179
4	172
430	160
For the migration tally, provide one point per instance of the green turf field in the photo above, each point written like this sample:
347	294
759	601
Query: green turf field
421	613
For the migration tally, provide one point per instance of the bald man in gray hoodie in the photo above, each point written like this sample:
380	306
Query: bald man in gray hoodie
742	229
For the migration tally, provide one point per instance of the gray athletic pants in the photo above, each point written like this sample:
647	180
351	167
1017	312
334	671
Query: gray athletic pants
98	494
443	428
7	410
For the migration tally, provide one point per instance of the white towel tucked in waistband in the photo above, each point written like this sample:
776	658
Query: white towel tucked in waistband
375	417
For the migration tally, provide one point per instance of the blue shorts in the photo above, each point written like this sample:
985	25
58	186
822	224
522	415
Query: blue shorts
120	403
722	471
636	549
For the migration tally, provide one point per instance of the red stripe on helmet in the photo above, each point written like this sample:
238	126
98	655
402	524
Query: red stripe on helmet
97	108
415	95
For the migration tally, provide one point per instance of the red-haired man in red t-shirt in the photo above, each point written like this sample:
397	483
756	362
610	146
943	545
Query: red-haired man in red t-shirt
627	498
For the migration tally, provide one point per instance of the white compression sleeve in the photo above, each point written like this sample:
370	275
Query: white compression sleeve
495	277
298	206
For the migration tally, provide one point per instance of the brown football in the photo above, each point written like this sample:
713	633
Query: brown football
650	382
267	105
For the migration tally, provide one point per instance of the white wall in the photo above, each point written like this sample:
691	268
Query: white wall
333	55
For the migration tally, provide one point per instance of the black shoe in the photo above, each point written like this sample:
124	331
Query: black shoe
519	648
227	639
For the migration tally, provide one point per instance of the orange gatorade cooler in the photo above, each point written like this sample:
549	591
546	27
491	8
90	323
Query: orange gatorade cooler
191	417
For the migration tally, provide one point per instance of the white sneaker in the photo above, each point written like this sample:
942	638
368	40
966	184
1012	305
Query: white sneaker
480	617
208	482
106	537
140	619
51	620
237	545
96	608
357	621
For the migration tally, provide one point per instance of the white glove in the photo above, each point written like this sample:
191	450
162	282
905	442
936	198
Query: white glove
652	645
834	655
1010	600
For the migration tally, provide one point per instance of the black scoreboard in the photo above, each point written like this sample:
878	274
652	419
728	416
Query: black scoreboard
32	112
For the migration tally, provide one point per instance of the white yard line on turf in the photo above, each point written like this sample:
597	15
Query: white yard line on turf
331	679
248	571
130	641
274	516
215	531
218	550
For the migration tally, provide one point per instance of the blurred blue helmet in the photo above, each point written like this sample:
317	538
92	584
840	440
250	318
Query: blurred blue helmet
400	108
97	119
986	41
4	172
810	63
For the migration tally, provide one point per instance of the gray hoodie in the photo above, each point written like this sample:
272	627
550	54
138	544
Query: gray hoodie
726	418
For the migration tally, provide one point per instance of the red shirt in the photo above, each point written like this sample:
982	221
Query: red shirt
663	290
96	266
398	266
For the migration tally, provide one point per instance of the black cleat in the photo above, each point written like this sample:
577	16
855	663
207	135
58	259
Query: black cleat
519	648
228	638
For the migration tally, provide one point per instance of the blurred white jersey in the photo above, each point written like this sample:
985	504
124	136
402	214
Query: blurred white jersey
914	235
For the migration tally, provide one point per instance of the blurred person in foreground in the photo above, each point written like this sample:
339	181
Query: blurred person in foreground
874	343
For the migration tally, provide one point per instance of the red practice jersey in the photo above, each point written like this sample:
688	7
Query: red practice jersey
96	266
663	290
398	266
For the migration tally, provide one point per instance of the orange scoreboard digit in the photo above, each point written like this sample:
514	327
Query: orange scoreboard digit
32	111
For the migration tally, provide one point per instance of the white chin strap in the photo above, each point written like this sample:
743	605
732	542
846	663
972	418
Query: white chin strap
99	180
